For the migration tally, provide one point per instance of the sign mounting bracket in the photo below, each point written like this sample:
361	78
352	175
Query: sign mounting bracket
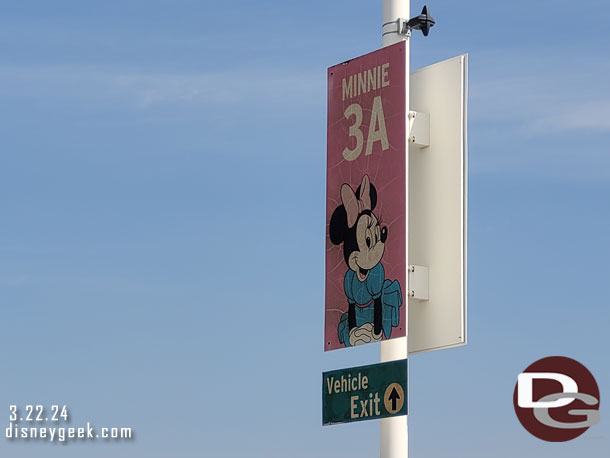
419	129
419	283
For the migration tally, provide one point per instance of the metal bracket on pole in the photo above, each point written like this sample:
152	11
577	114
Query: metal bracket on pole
422	22
418	283
403	28
399	27
419	129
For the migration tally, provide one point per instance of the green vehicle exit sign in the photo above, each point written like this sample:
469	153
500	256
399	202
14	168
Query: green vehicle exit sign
364	393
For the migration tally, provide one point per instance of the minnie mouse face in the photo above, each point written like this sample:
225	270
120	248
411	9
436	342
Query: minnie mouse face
356	226
370	238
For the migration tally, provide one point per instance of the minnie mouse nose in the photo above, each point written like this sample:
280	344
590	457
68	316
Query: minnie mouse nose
384	234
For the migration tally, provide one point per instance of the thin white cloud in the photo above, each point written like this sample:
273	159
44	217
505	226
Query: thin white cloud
148	89
228	87
539	113
541	92
589	115
13	280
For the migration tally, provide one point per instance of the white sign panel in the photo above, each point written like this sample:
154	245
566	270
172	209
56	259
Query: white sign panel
438	205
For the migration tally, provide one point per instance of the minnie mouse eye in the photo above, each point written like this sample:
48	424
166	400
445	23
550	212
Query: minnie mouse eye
368	242
384	234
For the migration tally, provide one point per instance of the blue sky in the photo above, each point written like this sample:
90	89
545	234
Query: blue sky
162	170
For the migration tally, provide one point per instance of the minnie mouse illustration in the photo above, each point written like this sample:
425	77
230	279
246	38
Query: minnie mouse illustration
372	300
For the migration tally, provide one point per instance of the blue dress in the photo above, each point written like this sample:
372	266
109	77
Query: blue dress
363	294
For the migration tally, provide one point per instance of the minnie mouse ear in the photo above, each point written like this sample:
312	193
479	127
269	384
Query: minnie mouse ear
372	194
350	203
338	225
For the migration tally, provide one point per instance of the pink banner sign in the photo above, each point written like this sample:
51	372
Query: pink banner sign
366	200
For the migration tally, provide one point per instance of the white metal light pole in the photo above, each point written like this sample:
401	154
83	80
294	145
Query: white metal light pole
393	436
